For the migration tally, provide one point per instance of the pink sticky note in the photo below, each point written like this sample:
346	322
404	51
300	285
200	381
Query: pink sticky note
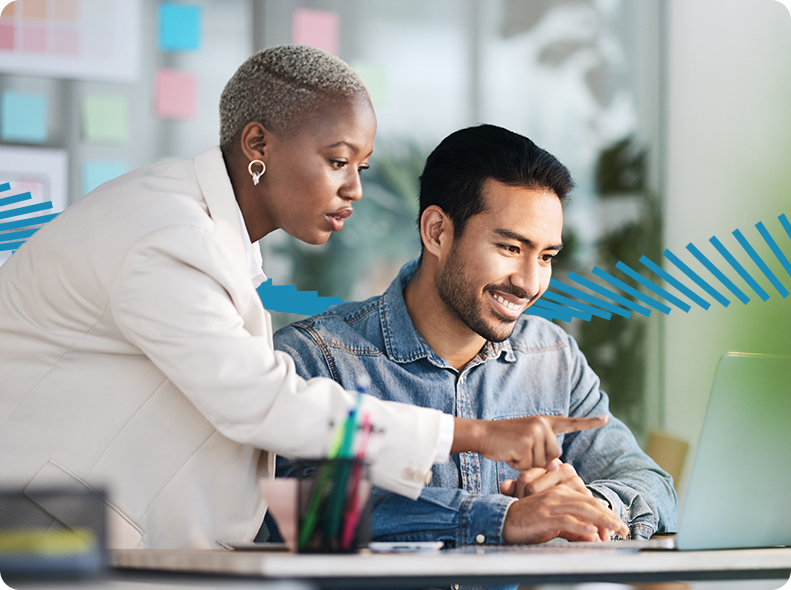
317	28
176	94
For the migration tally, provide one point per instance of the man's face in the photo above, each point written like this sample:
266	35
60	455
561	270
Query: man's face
502	262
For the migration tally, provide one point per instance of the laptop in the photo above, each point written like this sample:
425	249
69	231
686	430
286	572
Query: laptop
739	492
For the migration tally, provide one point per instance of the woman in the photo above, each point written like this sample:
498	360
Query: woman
135	353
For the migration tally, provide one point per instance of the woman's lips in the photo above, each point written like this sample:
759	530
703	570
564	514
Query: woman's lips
336	218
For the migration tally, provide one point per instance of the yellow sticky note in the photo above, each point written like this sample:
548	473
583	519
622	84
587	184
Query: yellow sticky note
105	118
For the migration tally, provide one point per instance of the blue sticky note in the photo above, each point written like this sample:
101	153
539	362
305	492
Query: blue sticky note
96	172
179	27
24	117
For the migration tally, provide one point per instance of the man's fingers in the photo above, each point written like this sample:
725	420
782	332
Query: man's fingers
592	512
561	424
508	487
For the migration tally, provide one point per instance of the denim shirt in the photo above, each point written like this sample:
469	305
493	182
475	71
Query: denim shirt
538	370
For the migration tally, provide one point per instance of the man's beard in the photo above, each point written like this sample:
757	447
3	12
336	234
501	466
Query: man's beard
452	285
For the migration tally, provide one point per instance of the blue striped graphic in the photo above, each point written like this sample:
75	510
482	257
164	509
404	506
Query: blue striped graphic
287	299
609	294
785	223
555	307
25	210
545	313
6	186
28	222
15	199
560	286
17	235
651	286
739	269
10	246
560	314
774	247
760	263
718	274
631	290
676	261
576	304
663	274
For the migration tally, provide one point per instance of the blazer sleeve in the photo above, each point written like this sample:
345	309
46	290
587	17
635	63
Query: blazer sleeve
181	298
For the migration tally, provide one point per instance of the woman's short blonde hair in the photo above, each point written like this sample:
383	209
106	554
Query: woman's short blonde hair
280	86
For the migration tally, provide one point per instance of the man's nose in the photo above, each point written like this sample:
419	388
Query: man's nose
527	277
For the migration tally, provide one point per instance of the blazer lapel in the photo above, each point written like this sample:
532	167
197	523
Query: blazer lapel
218	193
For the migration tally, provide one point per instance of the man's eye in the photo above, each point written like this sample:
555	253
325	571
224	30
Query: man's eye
510	248
548	258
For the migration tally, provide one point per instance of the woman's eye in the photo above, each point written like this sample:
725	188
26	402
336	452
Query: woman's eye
339	163
361	168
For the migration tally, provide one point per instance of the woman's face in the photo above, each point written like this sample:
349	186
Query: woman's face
313	174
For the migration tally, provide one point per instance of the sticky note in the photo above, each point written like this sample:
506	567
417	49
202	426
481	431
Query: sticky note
176	94
96	172
105	118
23	117
7	36
375	78
317	28
179	27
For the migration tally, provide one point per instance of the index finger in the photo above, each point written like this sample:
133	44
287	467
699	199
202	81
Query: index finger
561	424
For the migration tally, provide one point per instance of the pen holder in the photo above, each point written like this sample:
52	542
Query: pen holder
333	503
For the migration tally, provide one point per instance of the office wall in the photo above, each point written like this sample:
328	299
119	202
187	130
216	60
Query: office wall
728	147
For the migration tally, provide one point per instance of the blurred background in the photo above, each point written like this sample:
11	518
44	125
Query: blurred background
673	116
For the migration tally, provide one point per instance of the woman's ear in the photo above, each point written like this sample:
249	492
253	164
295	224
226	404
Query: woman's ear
436	232
253	140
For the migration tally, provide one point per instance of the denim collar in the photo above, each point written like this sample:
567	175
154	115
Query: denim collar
403	343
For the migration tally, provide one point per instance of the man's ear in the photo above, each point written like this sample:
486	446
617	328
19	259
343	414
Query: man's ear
436	231
253	140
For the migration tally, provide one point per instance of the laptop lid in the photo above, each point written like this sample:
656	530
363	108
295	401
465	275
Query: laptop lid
739	493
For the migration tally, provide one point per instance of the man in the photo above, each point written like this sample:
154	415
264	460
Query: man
450	330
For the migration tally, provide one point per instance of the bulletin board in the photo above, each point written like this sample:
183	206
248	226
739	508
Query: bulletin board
79	39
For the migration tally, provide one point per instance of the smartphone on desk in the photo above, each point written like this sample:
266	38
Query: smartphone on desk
404	546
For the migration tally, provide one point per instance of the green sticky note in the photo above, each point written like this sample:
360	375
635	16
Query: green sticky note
375	78
105	118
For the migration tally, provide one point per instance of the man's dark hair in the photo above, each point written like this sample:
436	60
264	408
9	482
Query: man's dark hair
456	170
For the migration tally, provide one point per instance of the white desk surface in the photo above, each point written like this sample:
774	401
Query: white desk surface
535	566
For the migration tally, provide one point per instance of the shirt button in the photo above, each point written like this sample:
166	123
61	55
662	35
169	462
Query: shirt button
455	587
480	539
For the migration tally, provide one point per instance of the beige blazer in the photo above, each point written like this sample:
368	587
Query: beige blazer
135	355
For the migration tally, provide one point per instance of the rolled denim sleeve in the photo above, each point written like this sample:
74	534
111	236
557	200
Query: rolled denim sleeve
611	462
453	516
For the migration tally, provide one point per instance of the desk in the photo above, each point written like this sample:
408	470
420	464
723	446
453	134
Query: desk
468	565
